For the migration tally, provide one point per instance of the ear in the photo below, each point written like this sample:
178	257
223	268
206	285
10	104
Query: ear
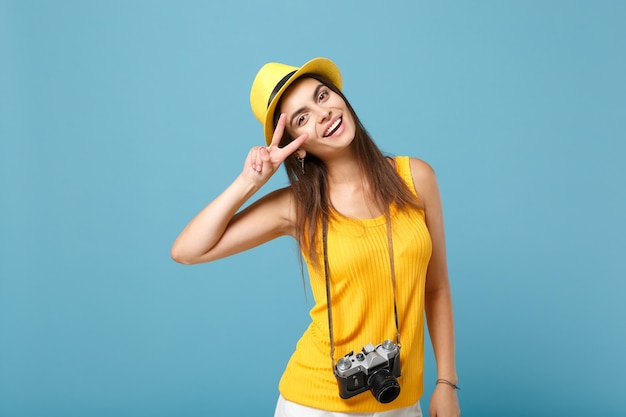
300	153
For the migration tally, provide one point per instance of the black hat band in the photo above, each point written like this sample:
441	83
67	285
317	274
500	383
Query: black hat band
279	86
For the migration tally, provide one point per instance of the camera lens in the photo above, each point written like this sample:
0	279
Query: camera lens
384	386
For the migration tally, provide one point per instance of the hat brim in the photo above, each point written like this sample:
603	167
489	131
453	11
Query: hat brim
322	66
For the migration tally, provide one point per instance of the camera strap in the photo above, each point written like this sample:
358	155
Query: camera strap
327	276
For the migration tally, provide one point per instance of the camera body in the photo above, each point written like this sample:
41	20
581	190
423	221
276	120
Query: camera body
374	368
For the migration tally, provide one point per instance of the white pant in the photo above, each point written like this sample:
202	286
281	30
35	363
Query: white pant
285	408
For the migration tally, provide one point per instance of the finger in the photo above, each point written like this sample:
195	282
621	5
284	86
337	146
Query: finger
278	132
261	151
293	146
264	154
252	159
255	163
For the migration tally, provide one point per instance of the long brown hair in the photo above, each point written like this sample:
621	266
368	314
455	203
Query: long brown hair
310	188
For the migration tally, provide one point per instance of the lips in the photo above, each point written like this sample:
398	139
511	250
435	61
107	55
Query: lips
333	127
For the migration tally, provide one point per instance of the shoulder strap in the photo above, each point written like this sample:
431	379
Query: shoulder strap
327	276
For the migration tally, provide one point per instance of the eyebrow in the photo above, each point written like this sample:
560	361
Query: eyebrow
300	110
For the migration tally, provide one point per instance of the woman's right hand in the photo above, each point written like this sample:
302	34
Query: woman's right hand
219	231
262	162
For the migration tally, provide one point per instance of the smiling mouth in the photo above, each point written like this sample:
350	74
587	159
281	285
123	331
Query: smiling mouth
333	128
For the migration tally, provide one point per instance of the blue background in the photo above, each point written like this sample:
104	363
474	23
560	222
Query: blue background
119	120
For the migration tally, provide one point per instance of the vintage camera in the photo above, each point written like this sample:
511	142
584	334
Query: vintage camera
375	368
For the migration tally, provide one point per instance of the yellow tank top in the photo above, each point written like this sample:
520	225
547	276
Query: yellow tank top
362	306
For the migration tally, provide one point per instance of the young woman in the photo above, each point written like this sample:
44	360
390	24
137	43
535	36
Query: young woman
370	229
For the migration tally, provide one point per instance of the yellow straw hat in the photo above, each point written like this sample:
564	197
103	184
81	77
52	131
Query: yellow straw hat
273	79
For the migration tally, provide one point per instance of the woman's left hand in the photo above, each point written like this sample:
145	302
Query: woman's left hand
444	402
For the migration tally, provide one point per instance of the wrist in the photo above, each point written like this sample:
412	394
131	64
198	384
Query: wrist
247	185
453	384
449	374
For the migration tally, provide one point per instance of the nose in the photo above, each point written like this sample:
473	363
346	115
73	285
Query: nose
323	114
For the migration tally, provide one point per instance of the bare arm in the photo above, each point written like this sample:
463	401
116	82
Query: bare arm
438	299
219	230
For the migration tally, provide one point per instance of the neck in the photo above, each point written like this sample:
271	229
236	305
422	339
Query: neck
349	190
344	170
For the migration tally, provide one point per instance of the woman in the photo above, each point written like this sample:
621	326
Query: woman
371	232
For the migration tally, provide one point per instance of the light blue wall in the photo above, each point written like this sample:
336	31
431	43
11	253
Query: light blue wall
120	119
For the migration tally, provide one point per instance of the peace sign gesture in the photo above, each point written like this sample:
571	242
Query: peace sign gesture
262	162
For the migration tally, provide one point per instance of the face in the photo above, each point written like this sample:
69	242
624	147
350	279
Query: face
322	114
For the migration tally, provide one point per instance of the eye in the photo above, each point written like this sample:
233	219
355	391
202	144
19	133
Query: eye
322	96
301	119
